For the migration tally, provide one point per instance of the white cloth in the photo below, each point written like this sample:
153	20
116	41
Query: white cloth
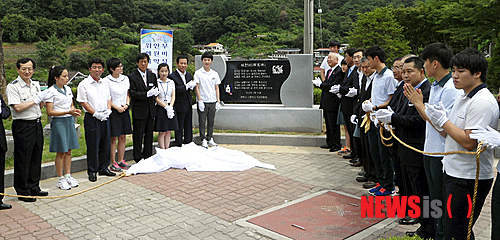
471	113
61	102
96	94
196	158
206	84
447	94
166	89
118	88
383	85
19	92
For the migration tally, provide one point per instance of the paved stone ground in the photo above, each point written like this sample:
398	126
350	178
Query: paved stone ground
177	204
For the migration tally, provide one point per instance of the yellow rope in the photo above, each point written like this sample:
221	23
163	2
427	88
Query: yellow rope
69	195
478	152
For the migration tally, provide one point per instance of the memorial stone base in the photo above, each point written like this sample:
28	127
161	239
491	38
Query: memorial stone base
266	117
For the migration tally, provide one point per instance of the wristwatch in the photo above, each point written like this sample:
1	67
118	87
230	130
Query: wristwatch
376	108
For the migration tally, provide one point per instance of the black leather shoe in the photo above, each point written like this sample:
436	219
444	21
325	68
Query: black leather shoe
325	146
107	172
357	164
411	233
362	172
350	156
354	160
40	194
4	206
361	179
407	221
93	177
27	199
369	185
334	149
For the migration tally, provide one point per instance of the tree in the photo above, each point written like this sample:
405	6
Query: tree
183	42
379	27
50	52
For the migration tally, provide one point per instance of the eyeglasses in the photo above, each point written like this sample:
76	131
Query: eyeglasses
397	68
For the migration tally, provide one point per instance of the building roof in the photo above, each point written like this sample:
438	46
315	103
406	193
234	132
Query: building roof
212	44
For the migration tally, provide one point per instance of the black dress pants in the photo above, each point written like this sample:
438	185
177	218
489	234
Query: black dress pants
98	143
185	133
143	131
332	129
28	149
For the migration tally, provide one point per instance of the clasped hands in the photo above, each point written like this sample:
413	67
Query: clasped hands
103	116
170	111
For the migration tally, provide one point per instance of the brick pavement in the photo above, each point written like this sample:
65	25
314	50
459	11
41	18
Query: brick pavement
177	204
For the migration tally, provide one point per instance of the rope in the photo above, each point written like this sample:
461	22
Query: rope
69	195
478	152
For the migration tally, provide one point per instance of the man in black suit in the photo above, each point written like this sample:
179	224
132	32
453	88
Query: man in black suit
330	102
184	83
410	128
349	91
143	91
370	175
4	113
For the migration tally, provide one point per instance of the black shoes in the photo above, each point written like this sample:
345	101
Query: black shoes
362	179
4	206
354	160
369	185
40	194
325	146
334	149
24	199
93	177
362	172
107	172
408	221
350	156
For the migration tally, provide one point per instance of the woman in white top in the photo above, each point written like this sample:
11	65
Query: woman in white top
119	120
63	136
165	121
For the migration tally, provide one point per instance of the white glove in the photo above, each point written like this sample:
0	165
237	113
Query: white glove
352	92
384	115
170	111
317	82
100	116
354	119
107	113
374	119
437	114
153	92
217	106
190	85
388	127
201	106
0	106
339	95
367	106
335	88
490	136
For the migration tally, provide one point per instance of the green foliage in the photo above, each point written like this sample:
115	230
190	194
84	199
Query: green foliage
183	42
379	27
50	52
78	61
17	28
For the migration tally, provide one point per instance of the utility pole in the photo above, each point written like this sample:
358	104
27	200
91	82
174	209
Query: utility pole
308	26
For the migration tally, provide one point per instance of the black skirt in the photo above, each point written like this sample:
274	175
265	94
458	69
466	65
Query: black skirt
163	123
119	123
